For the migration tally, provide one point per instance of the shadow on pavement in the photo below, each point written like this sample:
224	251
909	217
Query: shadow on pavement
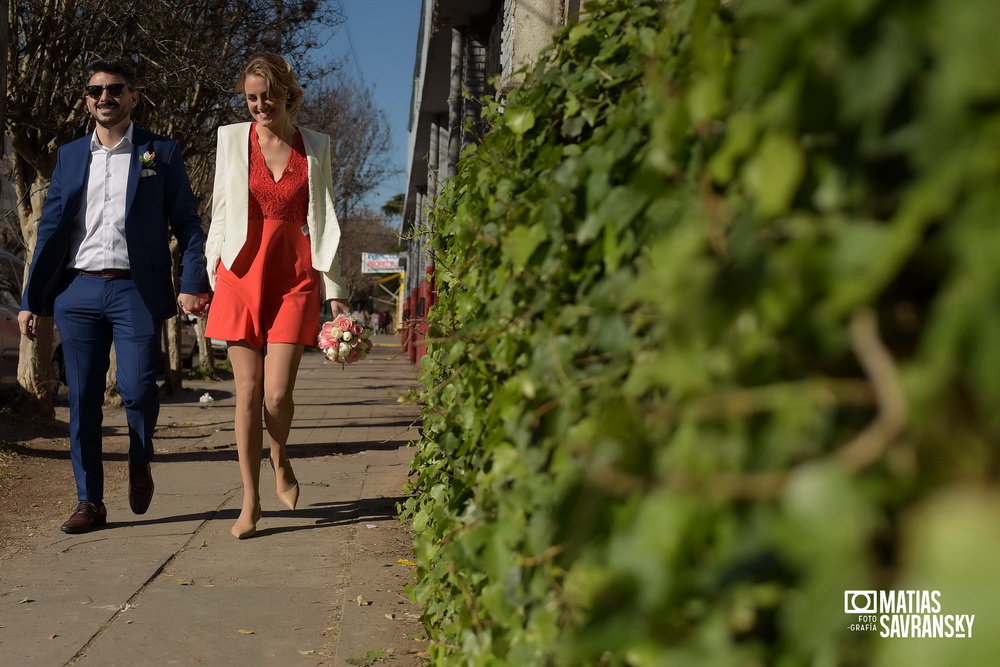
223	453
322	515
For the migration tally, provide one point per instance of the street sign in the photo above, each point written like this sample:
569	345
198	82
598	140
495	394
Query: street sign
373	263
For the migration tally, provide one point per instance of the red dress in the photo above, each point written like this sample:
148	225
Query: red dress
271	293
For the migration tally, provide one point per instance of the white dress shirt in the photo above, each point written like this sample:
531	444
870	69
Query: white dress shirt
98	240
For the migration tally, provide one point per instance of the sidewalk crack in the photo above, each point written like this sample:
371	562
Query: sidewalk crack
133	599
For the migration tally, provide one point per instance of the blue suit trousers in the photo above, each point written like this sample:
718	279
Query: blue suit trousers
93	313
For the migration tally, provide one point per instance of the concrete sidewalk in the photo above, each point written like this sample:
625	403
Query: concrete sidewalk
174	587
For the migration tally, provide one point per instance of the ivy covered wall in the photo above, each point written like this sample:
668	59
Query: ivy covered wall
718	339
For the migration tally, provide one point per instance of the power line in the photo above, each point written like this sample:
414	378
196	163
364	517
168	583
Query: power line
350	42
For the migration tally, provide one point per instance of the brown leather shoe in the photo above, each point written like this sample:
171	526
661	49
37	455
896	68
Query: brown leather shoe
140	487
87	516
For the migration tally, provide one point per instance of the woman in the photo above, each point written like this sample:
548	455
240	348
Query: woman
272	262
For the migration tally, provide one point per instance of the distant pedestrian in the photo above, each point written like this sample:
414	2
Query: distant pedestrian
272	259
102	267
376	322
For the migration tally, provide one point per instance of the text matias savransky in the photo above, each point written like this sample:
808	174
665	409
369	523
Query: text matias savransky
905	614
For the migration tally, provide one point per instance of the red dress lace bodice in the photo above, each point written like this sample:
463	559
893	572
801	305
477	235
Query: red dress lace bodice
286	198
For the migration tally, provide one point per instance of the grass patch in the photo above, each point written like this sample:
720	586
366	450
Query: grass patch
214	372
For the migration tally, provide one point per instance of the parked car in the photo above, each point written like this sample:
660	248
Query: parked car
220	349
11	275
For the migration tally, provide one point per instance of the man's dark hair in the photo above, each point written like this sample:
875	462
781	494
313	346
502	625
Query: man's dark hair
113	66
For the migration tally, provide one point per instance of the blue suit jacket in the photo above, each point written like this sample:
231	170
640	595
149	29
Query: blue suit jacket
150	202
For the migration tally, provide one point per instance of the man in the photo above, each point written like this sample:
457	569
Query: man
102	267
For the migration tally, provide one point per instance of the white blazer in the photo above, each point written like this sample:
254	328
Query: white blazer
230	198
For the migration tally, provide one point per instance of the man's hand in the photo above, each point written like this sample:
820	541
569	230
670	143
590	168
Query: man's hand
27	321
193	304
340	306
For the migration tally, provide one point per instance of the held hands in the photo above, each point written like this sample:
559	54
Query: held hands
193	304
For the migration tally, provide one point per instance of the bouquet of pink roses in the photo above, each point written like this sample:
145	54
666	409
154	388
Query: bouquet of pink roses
345	340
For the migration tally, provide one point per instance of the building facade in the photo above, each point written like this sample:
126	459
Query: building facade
466	50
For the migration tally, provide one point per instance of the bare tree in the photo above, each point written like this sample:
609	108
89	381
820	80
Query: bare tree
187	54
363	231
4	38
359	135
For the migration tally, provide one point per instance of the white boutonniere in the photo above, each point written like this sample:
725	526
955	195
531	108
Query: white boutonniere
147	159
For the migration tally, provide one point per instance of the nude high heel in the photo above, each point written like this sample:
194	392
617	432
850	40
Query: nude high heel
243	532
289	498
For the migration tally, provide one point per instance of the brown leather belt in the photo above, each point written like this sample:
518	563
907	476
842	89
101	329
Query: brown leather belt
106	273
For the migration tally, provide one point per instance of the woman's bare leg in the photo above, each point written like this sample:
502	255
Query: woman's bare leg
248	373
281	366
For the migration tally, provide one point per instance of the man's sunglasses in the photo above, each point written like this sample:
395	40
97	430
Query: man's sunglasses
115	89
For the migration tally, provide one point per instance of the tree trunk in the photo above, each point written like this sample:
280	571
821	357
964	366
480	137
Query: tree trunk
206	355
35	376
34	366
174	366
111	397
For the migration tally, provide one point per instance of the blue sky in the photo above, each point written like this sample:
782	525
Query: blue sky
384	34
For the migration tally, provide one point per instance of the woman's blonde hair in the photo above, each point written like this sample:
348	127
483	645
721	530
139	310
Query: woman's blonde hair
279	76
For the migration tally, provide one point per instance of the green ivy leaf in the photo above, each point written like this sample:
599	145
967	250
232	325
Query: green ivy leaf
519	120
522	242
774	174
616	210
